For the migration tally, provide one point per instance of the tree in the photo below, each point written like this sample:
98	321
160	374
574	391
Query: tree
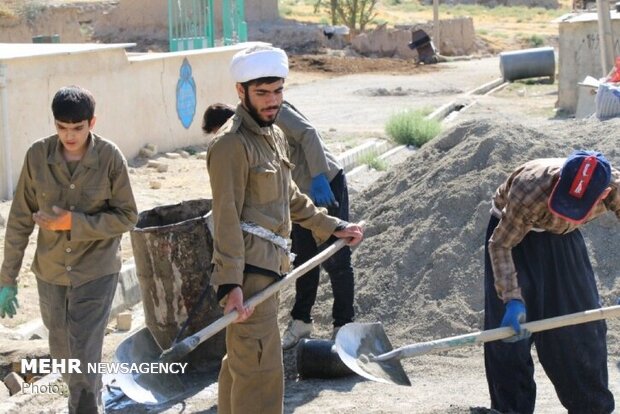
352	13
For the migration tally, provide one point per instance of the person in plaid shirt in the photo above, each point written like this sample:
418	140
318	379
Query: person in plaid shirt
536	259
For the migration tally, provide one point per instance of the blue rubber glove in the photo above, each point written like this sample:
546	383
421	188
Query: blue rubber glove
320	191
8	301
514	317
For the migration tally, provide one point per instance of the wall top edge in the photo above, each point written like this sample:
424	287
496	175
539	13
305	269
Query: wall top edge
141	57
583	17
9	51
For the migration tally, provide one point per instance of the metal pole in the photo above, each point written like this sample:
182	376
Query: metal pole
171	46
211	24
436	25
226	23
5	139
605	36
242	28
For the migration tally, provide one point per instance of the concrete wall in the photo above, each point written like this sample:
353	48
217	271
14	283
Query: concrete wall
290	35
126	21
256	11
457	37
135	18
62	21
149	18
136	94
580	55
547	4
261	10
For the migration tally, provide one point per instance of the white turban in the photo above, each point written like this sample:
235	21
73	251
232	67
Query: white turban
259	62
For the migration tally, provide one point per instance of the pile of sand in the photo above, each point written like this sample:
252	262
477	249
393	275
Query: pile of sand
420	269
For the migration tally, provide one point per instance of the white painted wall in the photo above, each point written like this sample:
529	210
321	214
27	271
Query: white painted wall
135	94
580	54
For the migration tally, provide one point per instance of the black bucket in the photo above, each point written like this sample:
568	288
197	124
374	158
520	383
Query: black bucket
172	247
317	358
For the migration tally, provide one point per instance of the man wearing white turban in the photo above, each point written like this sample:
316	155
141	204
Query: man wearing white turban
251	183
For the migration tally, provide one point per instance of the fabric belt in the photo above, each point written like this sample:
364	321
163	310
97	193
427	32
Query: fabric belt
268	235
500	213
258	231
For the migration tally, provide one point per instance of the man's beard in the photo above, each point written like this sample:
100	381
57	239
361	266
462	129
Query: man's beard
254	113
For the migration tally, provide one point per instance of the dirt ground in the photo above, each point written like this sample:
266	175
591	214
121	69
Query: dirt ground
338	65
421	284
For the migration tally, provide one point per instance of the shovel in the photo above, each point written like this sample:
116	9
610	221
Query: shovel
366	349
141	347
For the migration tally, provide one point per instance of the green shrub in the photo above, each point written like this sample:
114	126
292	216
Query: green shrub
285	11
536	40
411	128
425	110
373	161
6	12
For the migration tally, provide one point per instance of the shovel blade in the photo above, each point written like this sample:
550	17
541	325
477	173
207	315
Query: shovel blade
356	343
145	388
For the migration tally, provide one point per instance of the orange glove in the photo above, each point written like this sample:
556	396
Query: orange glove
60	222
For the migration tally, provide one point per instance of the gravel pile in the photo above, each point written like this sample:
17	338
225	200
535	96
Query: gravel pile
420	269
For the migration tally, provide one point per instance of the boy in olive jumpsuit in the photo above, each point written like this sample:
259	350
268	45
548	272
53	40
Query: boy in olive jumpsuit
251	183
75	186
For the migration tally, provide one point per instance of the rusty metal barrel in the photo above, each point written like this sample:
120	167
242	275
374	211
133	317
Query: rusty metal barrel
172	248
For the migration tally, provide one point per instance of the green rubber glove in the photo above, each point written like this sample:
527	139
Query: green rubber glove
8	301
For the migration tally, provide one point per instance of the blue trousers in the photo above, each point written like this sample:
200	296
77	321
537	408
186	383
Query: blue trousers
556	278
338	267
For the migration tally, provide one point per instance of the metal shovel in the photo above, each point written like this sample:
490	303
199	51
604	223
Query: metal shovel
141	347
366	349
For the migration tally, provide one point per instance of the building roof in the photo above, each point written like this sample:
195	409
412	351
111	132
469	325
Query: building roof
584	17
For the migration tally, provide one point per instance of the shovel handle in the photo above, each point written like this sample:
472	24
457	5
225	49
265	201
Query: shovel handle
191	342
498	333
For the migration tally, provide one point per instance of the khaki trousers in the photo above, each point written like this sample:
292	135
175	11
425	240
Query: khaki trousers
251	379
76	318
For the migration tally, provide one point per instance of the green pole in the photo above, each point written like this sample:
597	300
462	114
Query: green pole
210	25
226	23
171	43
242	27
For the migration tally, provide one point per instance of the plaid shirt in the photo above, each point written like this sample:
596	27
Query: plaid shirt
522	200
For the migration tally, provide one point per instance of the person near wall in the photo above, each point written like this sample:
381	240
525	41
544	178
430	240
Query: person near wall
537	267
75	186
254	203
319	175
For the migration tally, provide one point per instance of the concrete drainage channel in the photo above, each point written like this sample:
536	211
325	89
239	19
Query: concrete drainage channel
386	152
466	100
128	291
